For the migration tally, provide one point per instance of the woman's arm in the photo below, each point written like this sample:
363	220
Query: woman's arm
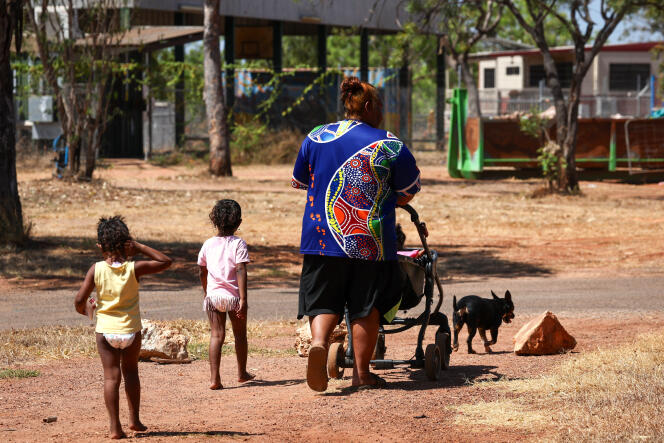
159	262
85	291
242	284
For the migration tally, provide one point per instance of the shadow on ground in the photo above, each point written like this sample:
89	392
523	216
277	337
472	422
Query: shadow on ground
186	434
484	263
61	262
51	263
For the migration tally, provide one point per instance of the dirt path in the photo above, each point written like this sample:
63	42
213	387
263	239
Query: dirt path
176	403
567	297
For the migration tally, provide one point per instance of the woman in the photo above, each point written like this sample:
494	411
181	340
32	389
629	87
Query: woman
354	174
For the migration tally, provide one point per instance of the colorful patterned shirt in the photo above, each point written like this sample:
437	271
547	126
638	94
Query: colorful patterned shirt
353	174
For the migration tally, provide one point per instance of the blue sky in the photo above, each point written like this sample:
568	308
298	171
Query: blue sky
624	33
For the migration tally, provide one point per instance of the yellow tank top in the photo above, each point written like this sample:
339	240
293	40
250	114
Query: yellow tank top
117	299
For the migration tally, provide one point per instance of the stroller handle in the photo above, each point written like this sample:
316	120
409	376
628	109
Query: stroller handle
423	233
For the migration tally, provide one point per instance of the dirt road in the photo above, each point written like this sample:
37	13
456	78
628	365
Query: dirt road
567	297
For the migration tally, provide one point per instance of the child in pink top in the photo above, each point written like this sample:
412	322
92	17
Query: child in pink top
223	272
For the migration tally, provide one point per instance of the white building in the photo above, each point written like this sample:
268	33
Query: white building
617	82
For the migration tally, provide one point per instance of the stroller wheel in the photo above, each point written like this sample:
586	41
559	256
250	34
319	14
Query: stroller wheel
432	362
443	342
335	358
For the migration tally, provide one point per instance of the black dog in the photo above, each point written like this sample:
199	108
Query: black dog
481	314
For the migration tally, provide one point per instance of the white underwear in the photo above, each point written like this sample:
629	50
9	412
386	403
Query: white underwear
221	303
120	341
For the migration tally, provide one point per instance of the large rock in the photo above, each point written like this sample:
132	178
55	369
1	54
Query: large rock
303	339
161	342
543	335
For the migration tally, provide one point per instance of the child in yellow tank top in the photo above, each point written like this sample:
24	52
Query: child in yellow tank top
118	330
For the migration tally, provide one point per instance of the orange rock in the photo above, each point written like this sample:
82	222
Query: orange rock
543	335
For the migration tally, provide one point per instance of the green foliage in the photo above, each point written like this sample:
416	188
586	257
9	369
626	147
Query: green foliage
556	33
17	373
552	162
550	155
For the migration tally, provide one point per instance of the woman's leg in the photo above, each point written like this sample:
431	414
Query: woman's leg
217	336
365	334
110	360
241	346
322	326
132	382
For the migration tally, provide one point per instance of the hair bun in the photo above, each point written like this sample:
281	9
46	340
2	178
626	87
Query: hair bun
351	85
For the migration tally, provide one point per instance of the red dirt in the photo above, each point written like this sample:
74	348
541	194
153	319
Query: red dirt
176	402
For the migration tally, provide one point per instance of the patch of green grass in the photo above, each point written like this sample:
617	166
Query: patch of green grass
18	373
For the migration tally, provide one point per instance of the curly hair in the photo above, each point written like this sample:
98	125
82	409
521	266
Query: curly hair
226	216
355	93
112	234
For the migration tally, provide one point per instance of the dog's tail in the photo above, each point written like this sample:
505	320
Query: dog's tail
454	305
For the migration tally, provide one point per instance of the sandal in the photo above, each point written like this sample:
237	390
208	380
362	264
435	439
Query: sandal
379	383
317	368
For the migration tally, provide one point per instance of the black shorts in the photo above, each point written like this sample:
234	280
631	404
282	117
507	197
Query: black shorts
329	283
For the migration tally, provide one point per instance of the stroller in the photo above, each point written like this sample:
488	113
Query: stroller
420	277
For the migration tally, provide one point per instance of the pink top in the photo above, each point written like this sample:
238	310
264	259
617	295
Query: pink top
221	255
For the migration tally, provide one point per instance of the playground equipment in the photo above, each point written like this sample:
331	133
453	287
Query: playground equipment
635	145
61	158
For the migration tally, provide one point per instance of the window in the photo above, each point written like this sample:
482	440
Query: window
489	78
512	70
628	76
537	73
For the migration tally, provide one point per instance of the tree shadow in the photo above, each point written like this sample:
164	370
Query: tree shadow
195	433
482	263
52	263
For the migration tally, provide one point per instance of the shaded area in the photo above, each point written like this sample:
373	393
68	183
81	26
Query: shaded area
61	262
482	263
453	377
195	434
51	263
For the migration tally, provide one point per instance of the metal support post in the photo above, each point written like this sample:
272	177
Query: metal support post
178	52
229	59
364	55
440	99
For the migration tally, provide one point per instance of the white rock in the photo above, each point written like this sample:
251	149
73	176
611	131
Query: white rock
162	342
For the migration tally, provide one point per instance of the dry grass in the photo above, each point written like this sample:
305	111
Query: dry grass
19	346
609	394
46	343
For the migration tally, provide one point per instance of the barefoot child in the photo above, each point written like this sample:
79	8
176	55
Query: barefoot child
118	330
223	272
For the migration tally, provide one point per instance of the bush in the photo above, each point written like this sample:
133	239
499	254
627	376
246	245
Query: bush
252	142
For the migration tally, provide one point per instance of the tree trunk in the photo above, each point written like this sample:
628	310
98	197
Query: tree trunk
474	107
11	215
220	154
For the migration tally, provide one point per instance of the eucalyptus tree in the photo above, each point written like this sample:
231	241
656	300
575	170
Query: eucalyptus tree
218	131
461	26
11	216
77	43
588	34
